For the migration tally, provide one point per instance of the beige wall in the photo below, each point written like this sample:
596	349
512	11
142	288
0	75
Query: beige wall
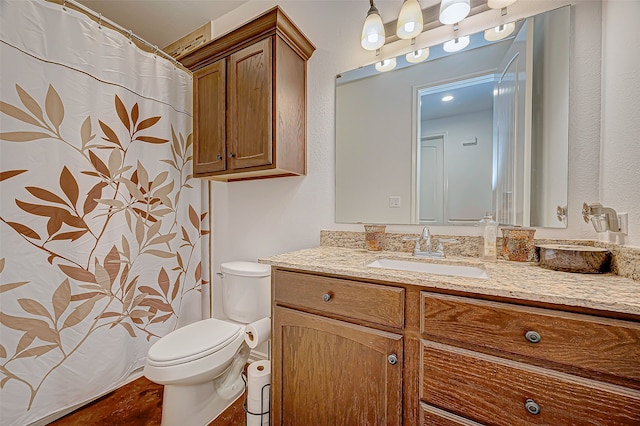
620	148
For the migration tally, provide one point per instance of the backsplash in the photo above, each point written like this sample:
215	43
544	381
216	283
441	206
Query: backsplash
625	261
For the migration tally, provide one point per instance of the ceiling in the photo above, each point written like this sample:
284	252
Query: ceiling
161	22
467	98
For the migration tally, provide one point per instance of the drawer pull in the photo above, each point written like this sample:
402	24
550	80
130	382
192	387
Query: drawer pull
533	336
219	157
532	407
231	155
326	297
393	359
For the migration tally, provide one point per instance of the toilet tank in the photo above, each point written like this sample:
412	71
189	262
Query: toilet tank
246	291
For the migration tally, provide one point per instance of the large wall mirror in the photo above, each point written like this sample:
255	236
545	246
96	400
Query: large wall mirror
444	141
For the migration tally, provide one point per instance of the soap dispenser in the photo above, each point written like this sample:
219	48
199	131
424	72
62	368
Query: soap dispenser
488	234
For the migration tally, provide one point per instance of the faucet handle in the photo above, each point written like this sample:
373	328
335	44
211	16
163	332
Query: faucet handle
447	240
416	247
440	247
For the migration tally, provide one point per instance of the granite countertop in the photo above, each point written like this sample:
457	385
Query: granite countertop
518	280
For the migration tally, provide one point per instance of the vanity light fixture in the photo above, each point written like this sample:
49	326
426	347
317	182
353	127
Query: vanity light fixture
373	30
456	44
417	56
447	98
454	11
386	65
499	32
500	4
410	21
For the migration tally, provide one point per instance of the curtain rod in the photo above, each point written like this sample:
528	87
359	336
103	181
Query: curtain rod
101	19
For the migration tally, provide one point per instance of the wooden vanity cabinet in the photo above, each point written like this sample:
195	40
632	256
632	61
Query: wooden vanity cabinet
460	360
330	371
249	101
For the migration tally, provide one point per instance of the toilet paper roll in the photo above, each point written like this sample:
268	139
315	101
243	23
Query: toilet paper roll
258	376
257	332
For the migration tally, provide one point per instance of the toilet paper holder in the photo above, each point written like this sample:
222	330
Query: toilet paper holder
265	414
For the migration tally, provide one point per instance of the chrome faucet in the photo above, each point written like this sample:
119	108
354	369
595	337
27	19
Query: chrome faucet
426	237
428	249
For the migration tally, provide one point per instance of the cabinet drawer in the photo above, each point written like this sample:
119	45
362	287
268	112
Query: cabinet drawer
495	391
602	345
373	303
432	416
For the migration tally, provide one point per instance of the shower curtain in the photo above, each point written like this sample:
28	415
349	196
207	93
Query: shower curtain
102	224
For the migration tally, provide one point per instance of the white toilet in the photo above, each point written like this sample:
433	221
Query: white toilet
200	365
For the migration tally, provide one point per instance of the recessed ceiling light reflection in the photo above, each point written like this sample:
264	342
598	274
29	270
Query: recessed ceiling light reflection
456	44
417	56
447	98
499	32
386	65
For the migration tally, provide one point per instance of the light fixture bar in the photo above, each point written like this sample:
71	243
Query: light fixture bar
431	19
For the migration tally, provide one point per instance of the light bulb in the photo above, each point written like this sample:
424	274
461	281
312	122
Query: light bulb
456	44
386	65
452	11
417	56
499	32
410	21
373	30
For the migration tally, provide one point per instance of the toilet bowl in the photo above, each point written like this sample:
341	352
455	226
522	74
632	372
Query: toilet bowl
200	365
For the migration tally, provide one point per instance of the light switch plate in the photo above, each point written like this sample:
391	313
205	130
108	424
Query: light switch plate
394	202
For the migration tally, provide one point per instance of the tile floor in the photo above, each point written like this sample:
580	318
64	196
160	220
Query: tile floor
138	403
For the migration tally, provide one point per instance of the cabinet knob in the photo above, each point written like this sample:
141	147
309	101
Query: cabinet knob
532	407
532	336
393	359
326	297
219	157
231	155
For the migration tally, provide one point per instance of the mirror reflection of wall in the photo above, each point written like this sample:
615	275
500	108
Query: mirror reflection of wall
499	145
458	117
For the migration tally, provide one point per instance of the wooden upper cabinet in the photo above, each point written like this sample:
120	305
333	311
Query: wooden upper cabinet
209	90
250	101
249	114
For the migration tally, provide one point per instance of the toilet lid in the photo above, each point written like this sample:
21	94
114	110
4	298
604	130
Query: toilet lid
246	269
193	341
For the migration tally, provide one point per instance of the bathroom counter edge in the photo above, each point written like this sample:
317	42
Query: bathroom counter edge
508	280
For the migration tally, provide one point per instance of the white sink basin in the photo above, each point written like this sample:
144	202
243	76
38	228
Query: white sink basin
430	268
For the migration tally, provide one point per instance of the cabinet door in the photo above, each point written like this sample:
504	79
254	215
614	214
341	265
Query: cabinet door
249	118
329	372
209	103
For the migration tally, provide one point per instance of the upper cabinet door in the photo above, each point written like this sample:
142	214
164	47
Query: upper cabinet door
209	92
249	119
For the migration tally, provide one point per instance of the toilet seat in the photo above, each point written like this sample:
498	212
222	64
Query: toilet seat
192	342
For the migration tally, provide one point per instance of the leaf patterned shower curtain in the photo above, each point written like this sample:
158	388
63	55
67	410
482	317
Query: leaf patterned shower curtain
101	221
